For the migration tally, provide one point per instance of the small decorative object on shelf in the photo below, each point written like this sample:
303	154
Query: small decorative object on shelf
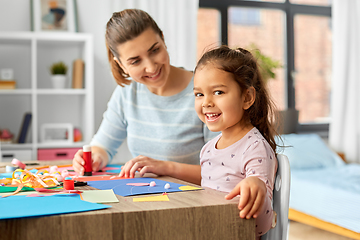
78	74
58	71
7	78
57	133
6	136
24	128
77	135
7	74
7	84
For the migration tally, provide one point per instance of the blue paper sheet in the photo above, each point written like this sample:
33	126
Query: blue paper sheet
120	188
22	206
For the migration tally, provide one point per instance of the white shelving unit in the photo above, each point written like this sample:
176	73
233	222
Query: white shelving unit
30	54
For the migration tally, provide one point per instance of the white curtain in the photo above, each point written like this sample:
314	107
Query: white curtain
344	133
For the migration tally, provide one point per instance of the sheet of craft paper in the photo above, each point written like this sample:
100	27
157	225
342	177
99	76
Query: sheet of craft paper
22	206
119	186
99	196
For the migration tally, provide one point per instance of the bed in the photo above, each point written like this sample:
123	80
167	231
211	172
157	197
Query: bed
325	191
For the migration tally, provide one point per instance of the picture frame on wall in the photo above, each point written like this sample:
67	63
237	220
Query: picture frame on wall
53	15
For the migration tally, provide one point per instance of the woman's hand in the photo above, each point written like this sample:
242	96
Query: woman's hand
252	193
99	160
144	165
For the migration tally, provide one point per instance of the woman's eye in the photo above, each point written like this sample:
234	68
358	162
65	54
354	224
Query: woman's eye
218	92
198	94
155	50
135	62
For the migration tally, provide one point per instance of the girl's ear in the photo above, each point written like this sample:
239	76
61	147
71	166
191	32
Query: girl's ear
120	65
249	98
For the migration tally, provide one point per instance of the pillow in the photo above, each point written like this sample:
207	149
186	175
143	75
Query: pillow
307	151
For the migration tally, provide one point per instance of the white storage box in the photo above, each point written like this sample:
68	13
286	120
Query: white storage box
21	155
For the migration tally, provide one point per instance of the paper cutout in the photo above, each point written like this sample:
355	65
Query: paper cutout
4	189
22	206
138	184
121	188
161	198
96	178
189	188
99	196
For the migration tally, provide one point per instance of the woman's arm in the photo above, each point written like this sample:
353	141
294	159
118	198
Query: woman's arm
99	160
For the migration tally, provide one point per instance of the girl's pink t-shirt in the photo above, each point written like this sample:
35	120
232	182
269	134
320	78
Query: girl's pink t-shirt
223	169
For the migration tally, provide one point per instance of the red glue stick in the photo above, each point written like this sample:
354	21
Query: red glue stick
88	161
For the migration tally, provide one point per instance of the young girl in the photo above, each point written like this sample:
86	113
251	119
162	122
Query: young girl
231	97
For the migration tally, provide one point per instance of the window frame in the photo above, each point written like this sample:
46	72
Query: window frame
290	10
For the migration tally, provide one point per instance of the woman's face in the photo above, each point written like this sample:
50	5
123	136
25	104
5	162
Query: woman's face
146	60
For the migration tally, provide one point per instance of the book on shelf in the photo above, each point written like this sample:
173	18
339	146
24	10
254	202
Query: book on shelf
78	74
24	128
5	84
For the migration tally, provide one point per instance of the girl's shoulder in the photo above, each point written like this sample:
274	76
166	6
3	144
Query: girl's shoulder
254	140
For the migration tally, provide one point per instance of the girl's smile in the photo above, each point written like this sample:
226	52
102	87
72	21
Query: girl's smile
212	117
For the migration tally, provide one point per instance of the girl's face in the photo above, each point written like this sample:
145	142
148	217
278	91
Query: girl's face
146	60
219	101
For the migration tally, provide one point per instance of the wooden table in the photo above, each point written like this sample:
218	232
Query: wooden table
203	214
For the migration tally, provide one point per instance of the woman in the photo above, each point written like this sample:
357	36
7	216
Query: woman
154	110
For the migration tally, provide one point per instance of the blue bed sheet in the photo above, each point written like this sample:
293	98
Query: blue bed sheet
330	194
322	185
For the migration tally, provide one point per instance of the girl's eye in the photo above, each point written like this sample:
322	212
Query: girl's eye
218	92
198	94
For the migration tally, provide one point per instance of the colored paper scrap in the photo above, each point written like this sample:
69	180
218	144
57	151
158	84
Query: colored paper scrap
95	178
99	196
189	188
138	184
4	189
161	198
121	188
22	206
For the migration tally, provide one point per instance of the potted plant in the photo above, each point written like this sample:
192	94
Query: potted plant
288	118
58	74
266	63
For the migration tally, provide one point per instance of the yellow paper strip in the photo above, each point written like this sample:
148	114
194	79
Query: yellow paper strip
189	188
161	198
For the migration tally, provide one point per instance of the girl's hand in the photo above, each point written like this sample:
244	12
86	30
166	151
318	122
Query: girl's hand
99	160
144	165
252	193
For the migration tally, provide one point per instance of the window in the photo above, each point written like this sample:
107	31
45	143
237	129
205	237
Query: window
295	32
244	16
209	33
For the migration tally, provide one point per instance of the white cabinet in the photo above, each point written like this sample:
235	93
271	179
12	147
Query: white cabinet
30	55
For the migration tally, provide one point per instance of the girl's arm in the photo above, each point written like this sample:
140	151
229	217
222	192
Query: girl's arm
143	164
252	193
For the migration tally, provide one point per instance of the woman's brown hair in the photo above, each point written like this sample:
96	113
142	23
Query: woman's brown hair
243	66
124	26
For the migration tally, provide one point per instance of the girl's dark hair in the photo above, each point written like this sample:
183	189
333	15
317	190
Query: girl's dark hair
124	26
243	66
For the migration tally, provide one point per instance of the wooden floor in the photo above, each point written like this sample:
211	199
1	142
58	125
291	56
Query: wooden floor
299	231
